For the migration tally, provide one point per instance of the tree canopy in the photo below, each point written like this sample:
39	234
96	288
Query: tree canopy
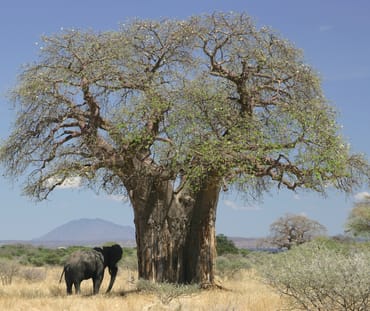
208	94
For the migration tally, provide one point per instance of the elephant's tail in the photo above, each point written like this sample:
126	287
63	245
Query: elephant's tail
61	276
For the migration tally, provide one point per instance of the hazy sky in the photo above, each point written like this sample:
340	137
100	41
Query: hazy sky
335	38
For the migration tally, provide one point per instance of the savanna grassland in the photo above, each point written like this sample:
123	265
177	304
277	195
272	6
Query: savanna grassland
242	291
324	274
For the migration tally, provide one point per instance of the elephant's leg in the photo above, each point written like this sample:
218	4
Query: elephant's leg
96	285
69	287
77	287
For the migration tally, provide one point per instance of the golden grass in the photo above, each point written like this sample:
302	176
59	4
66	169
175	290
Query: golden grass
244	292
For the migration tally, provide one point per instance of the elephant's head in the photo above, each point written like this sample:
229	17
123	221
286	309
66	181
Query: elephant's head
112	254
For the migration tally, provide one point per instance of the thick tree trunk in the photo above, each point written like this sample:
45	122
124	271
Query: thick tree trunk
175	232
200	248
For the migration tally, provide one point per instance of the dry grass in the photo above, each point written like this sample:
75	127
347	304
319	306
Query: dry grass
244	292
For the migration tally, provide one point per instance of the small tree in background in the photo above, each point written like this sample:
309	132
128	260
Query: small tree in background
292	230
358	222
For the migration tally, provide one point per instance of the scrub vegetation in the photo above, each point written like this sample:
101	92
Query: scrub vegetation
324	274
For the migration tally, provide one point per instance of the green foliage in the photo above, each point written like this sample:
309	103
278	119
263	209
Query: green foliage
43	256
321	275
129	258
358	222
225	245
229	264
211	94
36	256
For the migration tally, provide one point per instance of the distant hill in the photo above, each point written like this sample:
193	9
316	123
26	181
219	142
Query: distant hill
87	232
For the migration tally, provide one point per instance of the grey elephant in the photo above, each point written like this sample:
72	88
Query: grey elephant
90	264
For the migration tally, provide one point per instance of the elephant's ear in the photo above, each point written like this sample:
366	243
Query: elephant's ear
112	254
99	249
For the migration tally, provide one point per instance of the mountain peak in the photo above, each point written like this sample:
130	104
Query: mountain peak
89	230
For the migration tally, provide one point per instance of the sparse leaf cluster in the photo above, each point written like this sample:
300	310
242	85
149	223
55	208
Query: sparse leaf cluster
184	98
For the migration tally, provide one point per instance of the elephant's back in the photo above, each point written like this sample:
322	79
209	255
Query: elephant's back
84	261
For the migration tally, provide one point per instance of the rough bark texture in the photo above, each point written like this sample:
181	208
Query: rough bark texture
175	232
200	248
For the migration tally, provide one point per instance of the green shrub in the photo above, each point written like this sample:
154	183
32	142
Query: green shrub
225	246
321	275
36	256
16	251
129	258
229	264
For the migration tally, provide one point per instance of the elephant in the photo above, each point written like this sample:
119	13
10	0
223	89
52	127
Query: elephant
91	263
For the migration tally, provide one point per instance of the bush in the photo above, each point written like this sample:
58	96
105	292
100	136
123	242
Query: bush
129	259
166	291
8	269
228	265
36	256
225	246
33	274
321	276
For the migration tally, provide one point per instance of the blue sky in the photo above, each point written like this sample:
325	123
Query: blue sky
335	38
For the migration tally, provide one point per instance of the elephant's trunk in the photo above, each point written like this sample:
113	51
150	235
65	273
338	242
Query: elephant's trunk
113	273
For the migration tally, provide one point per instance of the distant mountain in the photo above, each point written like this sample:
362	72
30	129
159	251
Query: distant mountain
95	232
87	232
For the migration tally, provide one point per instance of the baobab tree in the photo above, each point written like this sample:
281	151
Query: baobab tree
291	230
171	113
